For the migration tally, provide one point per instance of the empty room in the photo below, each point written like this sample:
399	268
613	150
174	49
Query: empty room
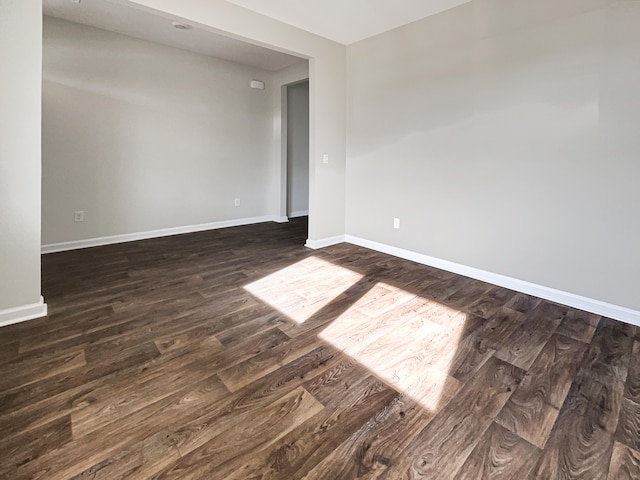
337	240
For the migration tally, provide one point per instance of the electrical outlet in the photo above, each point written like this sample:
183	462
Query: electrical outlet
396	223
325	158
237	202
78	216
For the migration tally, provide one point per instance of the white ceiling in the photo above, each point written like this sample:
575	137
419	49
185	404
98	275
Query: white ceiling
344	21
348	21
152	27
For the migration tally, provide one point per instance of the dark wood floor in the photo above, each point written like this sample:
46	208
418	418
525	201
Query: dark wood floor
240	354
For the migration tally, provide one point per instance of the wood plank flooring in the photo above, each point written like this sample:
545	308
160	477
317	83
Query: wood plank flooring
241	354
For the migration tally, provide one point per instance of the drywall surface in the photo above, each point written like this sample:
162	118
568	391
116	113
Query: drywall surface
298	148
143	137
20	93
327	95
504	135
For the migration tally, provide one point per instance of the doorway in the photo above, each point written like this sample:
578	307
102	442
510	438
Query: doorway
297	186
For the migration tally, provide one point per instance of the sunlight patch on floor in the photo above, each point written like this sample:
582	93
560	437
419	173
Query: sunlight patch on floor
405	340
304	288
408	341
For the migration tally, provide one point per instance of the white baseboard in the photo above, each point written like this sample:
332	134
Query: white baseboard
23	313
281	219
131	237
598	307
324	242
301	213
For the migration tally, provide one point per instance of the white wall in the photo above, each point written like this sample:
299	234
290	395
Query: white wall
327	96
143	137
20	92
297	149
505	136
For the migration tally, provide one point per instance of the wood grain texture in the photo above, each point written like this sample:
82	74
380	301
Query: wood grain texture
581	442
8	351
292	456
579	447
632	387
21	449
370	451
523	303
499	455
625	463
490	302
629	424
442	447
163	359
470	353
579	325
525	343
19	374
141	460
254	431
258	366
499	326
532	410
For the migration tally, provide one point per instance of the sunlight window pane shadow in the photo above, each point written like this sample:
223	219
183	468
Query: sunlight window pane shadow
304	288
410	347
407	341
